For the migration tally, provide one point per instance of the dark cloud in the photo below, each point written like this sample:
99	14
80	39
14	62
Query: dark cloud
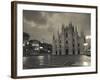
41	25
35	16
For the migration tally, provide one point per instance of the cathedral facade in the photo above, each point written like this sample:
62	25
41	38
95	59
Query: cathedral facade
68	41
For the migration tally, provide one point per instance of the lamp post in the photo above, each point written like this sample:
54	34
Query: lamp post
87	44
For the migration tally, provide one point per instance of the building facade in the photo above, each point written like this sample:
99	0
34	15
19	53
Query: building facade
68	41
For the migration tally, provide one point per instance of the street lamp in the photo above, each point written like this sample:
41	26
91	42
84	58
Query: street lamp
88	37
85	63
41	47
85	44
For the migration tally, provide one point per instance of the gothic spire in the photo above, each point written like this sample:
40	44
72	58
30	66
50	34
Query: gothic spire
70	24
58	33
53	36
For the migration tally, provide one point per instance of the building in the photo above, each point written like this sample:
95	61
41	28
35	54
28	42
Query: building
25	38
68	41
34	47
87	45
45	48
25	44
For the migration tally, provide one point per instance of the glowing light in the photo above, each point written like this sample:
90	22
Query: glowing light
88	37
48	51
41	47
85	44
85	63
27	43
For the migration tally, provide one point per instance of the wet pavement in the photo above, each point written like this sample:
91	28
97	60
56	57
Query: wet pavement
47	61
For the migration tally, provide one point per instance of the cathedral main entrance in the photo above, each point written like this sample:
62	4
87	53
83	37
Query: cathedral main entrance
66	51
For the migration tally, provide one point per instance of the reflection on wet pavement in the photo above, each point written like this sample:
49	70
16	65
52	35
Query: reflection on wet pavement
47	61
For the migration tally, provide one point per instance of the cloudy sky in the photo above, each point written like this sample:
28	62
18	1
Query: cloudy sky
41	25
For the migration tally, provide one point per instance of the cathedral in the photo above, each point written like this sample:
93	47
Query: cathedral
68	41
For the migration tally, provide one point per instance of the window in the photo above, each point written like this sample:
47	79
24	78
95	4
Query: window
56	52
73	51
73	45
66	34
66	42
78	44
78	51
